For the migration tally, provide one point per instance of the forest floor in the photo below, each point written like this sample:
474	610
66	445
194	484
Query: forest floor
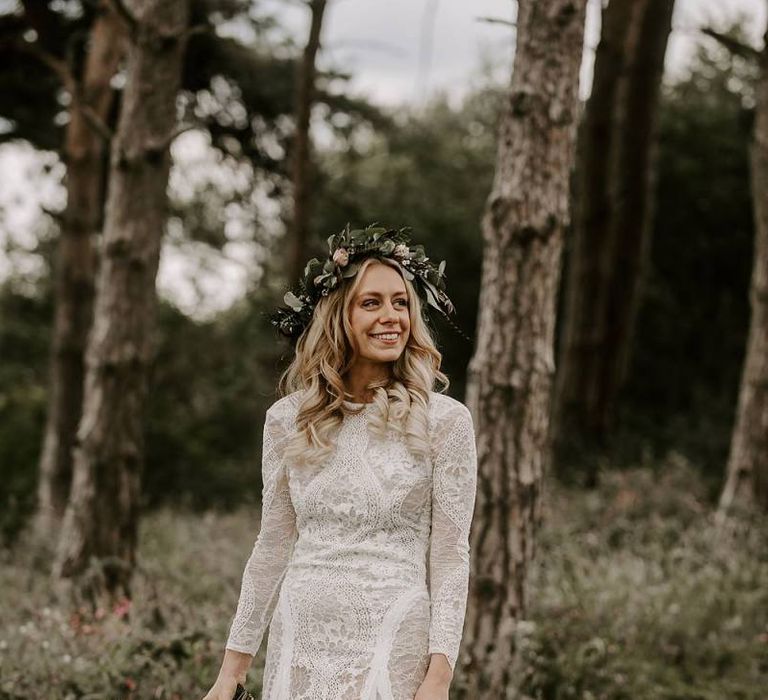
632	596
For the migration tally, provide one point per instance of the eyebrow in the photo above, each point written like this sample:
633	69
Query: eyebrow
377	294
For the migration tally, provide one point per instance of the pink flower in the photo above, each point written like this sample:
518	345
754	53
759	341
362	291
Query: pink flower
121	608
341	257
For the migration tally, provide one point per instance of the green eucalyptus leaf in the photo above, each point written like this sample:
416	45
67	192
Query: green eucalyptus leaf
431	294
309	265
350	270
292	300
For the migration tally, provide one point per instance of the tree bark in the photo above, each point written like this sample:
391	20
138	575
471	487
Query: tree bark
509	376
76	262
301	161
614	196
589	262
101	518
746	486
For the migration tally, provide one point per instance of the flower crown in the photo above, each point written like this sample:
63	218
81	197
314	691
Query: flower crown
347	250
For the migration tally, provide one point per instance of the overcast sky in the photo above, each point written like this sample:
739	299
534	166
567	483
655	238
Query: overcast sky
397	51
401	50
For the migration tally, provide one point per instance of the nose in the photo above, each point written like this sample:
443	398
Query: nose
388	313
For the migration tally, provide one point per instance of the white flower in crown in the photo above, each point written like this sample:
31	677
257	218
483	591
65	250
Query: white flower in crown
401	250
341	257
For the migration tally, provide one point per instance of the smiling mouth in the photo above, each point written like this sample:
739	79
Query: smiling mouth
386	337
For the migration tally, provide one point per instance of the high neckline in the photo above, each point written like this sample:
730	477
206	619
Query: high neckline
353	404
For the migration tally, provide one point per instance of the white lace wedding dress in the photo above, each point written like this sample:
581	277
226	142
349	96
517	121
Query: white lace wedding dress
361	565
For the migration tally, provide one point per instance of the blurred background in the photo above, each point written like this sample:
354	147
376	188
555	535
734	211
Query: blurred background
401	103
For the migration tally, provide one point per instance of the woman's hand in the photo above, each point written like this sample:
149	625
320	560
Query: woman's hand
432	689
437	681
233	671
223	689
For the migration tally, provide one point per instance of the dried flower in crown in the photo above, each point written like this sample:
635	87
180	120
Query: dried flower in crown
341	257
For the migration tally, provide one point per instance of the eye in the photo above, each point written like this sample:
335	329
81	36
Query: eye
403	302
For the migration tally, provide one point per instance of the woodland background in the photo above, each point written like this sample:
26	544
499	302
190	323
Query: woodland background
637	588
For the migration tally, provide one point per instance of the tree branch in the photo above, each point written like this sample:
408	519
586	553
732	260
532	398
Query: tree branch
94	120
188	32
61	70
496	20
56	65
736	47
126	15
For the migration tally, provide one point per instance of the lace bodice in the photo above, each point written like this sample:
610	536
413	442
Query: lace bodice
365	556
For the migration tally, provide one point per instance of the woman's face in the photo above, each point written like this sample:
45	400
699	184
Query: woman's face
379	315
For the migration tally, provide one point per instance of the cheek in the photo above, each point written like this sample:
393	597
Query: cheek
357	323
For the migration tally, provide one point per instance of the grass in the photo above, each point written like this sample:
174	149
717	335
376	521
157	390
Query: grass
631	597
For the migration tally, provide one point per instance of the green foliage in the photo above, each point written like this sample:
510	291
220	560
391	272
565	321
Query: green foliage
634	596
211	385
166	642
24	339
631	596
692	326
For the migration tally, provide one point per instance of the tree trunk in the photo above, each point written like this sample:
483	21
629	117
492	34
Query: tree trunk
76	262
746	485
589	261
301	159
613	222
510	373
101	518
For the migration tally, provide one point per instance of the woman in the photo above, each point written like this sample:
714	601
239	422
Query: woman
361	565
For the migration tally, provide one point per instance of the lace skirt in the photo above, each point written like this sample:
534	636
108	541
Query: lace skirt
337	640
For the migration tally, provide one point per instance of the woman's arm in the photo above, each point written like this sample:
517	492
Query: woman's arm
272	551
454	482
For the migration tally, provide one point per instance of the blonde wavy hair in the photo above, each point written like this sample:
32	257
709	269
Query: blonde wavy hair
325	353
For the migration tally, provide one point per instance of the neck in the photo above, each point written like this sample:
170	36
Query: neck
360	375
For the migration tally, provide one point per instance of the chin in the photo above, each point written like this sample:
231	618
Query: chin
387	355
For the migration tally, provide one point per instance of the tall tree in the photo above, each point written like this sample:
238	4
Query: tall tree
102	516
746	485
589	260
92	98
614	196
510	374
301	146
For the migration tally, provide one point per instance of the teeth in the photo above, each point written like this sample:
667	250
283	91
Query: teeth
386	336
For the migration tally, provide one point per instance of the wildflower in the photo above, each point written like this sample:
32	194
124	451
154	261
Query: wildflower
122	607
341	257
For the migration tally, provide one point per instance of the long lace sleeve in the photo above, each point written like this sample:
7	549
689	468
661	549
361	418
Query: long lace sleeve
273	549
454	483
